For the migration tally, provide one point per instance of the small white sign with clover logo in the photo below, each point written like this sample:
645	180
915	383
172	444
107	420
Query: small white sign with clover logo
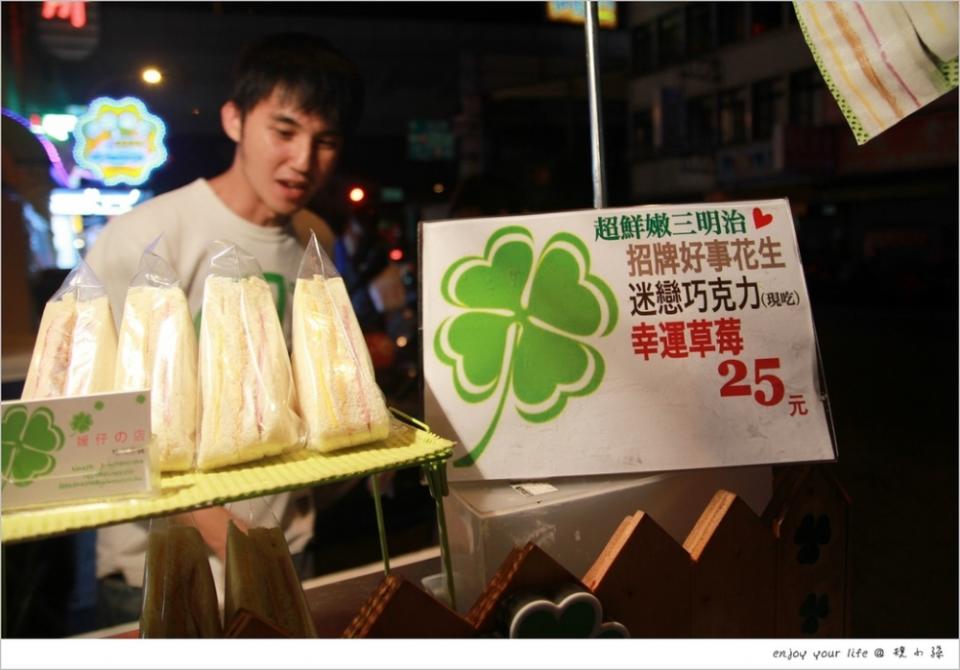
62	450
632	339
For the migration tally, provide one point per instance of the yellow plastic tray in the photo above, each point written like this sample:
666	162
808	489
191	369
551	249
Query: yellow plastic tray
406	446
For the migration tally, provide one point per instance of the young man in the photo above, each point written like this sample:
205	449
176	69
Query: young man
294	100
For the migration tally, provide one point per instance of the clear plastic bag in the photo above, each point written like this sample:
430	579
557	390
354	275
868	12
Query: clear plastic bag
179	597
247	396
76	346
157	349
339	397
260	578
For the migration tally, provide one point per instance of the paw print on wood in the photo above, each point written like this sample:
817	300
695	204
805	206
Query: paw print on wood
810	535
812	611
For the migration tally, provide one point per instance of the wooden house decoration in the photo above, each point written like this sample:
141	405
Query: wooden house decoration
734	571
248	624
644	580
809	516
531	588
399	609
525	569
736	575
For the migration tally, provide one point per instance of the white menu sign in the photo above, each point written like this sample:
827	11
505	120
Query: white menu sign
61	450
630	339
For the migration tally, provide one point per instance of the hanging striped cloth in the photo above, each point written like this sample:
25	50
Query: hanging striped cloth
881	60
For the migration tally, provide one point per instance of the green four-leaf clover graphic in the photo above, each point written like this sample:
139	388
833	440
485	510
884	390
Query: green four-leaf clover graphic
28	444
81	422
523	326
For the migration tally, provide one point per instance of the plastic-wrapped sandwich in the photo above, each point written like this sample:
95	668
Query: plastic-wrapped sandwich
77	343
158	350
246	385
339	397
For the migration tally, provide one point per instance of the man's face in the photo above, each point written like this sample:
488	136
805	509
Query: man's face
284	154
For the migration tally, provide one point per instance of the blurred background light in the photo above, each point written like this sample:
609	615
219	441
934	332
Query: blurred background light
152	76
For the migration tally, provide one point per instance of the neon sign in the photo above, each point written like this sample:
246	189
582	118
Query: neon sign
57	171
84	202
119	141
570	11
58	126
75	12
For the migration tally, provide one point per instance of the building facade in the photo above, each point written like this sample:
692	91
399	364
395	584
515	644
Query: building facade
726	102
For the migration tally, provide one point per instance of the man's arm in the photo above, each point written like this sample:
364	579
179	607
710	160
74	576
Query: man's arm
212	524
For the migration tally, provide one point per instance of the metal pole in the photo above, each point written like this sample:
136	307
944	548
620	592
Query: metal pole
596	126
381	526
436	474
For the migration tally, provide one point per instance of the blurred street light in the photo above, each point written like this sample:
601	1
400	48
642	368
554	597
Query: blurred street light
152	76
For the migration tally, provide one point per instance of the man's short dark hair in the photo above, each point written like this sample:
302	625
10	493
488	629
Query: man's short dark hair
320	79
